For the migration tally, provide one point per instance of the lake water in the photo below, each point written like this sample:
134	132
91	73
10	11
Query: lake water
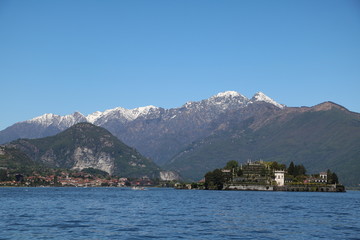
121	213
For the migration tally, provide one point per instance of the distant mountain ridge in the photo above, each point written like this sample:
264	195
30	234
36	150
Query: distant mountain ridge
156	132
203	135
326	136
224	101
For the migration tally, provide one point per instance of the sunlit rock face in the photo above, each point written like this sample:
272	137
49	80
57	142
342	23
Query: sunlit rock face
87	158
169	176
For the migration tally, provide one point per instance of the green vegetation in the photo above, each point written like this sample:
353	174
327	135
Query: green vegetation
59	151
263	173
231	165
296	170
312	138
95	172
332	177
215	180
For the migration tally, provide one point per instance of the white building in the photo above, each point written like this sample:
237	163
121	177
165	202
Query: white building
280	177
323	176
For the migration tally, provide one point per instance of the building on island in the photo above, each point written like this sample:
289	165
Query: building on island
270	176
280	177
323	177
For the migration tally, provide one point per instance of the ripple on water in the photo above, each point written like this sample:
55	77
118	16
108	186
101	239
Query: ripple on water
104	213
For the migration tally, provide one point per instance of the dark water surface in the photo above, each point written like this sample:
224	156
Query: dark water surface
118	213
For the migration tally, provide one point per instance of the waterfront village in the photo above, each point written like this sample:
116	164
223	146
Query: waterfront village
267	176
251	176
67	178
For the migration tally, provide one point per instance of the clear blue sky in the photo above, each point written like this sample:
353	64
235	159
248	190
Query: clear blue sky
65	56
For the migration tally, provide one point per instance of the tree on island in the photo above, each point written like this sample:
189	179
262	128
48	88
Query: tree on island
291	169
296	170
277	166
231	165
332	178
3	175
214	180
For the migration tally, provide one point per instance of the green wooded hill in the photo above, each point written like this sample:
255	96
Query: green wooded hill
15	161
326	136
85	145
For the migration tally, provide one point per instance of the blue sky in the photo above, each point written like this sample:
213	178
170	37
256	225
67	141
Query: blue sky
65	56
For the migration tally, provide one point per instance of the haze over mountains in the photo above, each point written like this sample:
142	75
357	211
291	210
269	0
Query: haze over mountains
200	136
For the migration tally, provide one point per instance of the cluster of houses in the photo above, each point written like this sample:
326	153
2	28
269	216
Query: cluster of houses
280	178
79	179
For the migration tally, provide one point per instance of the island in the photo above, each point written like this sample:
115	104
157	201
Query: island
267	176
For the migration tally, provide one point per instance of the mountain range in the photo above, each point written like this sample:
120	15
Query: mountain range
200	136
156	132
326	136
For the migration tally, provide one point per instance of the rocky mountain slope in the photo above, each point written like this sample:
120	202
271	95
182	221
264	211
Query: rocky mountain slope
156	132
326	136
85	145
200	136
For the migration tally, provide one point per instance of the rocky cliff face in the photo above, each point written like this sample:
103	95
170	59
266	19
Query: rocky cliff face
86	158
169	176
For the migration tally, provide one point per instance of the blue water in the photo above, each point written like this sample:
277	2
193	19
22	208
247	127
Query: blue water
116	213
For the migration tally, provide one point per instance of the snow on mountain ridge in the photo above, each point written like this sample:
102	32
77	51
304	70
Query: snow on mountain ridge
222	101
125	114
226	99
45	119
94	116
228	94
261	97
62	121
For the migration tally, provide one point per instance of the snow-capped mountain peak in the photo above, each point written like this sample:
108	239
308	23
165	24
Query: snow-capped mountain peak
122	114
94	116
45	119
142	110
219	103
228	99
228	94
261	97
62	122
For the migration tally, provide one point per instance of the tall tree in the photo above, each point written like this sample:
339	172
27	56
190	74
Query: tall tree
291	169
214	179
334	178
231	164
3	175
